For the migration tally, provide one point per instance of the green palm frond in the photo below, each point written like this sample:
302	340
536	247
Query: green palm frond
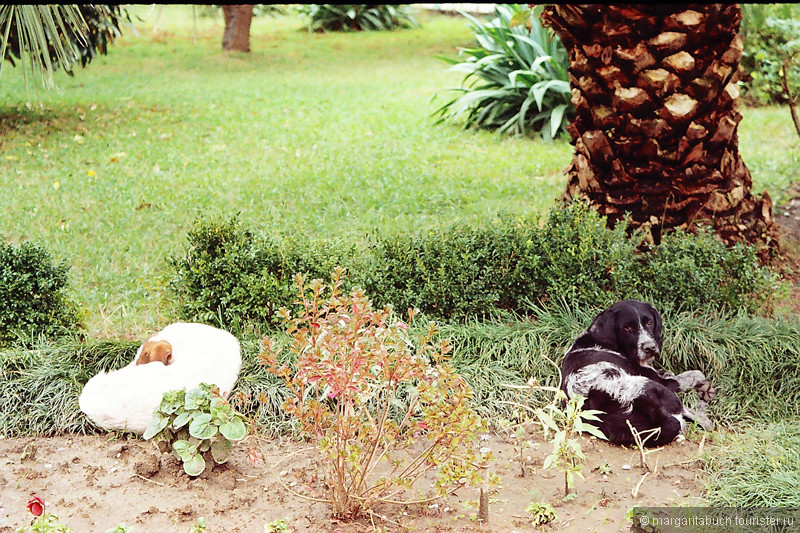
45	38
41	37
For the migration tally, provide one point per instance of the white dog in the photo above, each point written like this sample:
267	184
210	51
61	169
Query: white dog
181	356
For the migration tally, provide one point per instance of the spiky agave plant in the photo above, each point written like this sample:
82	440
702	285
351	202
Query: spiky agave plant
356	17
516	78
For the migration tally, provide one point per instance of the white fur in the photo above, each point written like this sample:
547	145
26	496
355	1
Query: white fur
645	341
623	388
682	422
124	399
689	379
596	348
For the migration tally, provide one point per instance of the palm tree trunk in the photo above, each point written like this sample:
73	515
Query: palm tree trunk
656	128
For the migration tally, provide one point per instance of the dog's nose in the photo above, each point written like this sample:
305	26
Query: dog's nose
650	346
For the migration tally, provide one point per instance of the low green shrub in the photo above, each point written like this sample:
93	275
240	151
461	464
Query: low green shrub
228	273
231	275
516	78
582	260
33	292
697	271
512	263
356	17
456	272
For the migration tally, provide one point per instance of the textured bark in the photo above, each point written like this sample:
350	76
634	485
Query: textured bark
656	128
237	27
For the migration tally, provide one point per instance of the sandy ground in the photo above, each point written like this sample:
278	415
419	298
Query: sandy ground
93	483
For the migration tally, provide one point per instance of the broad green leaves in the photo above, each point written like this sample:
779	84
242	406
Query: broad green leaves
195	465
157	424
194	423
202	427
233	430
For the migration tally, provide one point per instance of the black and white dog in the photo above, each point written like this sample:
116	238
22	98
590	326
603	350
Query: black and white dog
610	365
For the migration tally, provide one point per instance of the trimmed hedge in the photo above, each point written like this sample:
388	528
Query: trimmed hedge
33	292
231	275
457	272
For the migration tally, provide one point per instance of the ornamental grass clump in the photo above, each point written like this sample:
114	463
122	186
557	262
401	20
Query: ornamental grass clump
381	410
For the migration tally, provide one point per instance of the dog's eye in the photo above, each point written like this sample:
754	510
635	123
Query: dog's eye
648	322
627	327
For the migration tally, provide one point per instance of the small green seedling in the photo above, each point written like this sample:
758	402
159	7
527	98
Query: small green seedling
568	424
541	513
196	423
45	523
121	528
276	526
604	469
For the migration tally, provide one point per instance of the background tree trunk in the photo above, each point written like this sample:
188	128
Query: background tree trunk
656	128
237	27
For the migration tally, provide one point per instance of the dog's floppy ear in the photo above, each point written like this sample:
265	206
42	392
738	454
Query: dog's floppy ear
152	351
162	351
143	357
602	330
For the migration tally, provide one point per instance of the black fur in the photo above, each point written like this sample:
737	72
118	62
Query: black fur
610	364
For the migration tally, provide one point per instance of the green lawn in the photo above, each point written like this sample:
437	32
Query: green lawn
322	134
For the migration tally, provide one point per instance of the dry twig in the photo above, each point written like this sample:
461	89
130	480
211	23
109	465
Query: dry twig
637	437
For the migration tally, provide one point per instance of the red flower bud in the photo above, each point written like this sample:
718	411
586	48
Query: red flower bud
36	505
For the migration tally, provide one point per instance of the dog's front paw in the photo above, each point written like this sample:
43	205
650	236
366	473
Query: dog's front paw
705	390
664	373
699	416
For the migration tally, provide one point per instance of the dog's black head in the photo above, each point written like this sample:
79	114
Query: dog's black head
631	328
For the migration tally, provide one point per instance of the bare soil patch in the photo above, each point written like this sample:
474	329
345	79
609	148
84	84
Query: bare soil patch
94	483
